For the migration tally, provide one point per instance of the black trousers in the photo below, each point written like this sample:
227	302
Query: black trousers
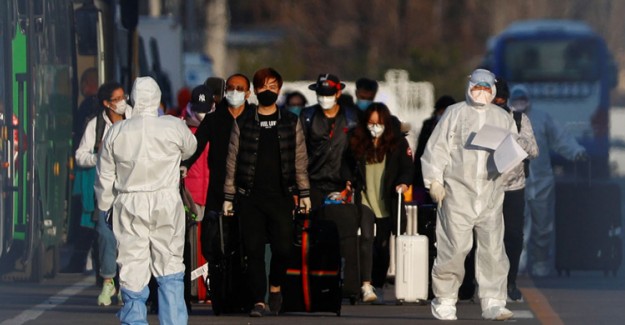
381	251
513	218
266	218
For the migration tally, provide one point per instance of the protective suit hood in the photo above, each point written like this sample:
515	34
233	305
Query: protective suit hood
477	77
146	95
519	92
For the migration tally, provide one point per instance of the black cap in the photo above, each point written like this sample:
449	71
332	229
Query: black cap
201	99
327	85
502	88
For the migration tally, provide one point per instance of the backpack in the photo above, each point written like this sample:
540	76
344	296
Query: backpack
100	124
517	119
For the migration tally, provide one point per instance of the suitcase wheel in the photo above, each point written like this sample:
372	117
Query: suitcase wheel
399	302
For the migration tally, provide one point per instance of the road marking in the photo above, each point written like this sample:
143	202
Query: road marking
539	304
58	299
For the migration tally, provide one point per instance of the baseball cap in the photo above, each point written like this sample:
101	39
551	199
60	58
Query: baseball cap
327	85
201	99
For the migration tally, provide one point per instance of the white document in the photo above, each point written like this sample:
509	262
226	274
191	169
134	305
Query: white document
507	152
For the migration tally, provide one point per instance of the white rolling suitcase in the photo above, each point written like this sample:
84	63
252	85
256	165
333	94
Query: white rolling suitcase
411	268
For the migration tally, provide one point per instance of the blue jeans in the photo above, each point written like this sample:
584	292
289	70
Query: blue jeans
107	246
171	306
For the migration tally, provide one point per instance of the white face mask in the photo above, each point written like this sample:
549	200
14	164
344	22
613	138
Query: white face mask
376	129
326	102
481	96
235	98
200	116
120	107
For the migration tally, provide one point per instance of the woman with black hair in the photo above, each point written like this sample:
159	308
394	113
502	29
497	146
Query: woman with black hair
383	166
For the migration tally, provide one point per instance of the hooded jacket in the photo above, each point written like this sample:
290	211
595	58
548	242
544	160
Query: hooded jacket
143	153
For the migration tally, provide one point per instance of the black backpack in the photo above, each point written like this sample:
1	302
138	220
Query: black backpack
100	124
517	119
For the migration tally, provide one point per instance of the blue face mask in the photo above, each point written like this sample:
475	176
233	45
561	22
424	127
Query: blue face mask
295	109
363	104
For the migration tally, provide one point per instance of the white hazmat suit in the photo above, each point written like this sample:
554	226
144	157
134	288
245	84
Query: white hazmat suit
138	175
540	184
472	202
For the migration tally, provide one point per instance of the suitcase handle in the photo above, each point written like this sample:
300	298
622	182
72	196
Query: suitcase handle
399	190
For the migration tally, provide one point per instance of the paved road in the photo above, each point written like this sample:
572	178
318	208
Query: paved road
582	298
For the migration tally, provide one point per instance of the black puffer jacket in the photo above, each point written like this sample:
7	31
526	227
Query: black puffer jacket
242	152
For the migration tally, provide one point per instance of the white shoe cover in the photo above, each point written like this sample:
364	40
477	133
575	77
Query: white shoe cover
497	313
444	309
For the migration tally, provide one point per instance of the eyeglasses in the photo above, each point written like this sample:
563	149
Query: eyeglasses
117	99
233	87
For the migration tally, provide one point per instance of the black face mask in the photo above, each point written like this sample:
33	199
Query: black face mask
267	98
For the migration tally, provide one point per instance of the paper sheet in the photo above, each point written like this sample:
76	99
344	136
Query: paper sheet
507	152
490	137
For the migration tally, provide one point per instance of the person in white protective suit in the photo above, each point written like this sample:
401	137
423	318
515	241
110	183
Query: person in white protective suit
138	176
540	186
464	182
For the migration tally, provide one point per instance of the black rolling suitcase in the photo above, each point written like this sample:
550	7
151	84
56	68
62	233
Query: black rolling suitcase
313	281
347	220
226	264
588	225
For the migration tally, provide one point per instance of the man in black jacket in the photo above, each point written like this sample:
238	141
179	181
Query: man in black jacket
215	129
266	167
327	126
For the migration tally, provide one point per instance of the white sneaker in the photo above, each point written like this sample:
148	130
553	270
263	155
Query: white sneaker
368	294
108	291
444	309
497	313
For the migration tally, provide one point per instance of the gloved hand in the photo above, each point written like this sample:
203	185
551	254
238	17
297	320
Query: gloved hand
581	155
227	209
305	204
437	192
183	171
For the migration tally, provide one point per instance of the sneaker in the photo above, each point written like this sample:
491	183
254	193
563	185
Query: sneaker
444	309
497	313
514	294
108	291
258	311
368	293
275	302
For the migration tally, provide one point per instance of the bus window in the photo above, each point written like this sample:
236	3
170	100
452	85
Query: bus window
549	60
